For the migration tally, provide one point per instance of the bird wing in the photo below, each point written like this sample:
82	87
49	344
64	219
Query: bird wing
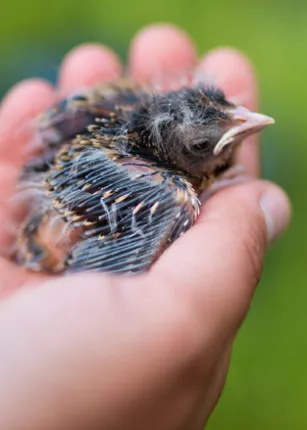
129	211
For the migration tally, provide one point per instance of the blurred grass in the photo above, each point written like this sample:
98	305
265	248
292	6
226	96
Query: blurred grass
267	384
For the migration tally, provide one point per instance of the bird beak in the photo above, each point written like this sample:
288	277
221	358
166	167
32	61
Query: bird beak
246	124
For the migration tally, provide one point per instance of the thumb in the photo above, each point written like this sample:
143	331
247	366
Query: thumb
218	263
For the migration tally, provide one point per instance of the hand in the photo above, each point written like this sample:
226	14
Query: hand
145	352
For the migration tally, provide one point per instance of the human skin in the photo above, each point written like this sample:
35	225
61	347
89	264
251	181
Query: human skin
143	352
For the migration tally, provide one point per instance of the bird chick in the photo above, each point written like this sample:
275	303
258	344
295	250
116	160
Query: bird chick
120	174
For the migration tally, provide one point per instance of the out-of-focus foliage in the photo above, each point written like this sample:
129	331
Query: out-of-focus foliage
267	385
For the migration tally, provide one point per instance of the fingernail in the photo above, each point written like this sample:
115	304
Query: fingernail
276	209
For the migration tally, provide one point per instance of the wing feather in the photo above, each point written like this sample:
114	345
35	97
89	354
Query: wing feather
128	218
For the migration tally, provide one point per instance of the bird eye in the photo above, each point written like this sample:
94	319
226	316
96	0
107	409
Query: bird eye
203	145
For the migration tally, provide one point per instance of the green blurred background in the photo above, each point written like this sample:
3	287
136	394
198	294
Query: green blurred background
267	384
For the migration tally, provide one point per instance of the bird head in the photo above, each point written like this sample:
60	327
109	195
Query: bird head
197	130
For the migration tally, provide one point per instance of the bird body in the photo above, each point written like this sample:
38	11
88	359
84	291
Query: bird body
120	174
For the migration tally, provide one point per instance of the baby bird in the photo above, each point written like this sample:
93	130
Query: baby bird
120	174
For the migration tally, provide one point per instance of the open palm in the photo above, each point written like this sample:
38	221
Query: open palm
149	351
